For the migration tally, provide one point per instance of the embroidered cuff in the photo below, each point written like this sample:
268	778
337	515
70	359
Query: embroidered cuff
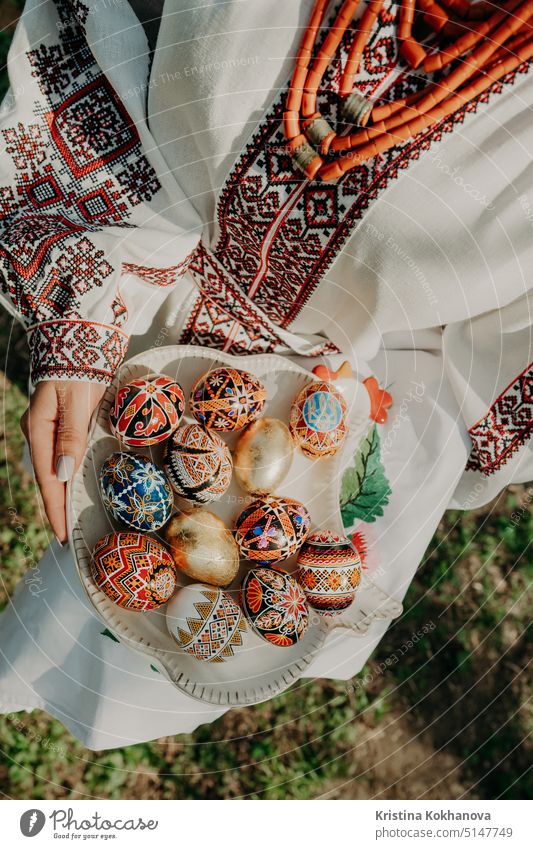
75	350
507	426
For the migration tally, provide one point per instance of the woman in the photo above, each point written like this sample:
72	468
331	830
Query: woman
153	200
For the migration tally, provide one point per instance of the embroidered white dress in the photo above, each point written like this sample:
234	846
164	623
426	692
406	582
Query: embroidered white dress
111	176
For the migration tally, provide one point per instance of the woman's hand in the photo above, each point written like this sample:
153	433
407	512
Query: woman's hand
55	426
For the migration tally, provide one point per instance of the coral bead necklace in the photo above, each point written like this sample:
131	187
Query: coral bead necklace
484	41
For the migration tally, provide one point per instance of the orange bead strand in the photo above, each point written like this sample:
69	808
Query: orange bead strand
467	41
335	170
360	41
434	15
488	45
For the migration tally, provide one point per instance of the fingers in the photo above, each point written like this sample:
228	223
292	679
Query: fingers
39	425
76	401
73	420
56	425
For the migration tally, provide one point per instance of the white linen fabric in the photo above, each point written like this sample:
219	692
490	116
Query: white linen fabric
432	294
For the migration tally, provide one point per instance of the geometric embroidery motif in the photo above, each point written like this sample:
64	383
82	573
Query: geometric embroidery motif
26	241
44	191
157	276
211	326
91	128
26	145
65	349
505	428
78	167
276	233
79	268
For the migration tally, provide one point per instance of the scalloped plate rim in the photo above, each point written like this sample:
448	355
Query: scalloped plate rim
101	603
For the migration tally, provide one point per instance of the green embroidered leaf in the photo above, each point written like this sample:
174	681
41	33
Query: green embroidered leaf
154	668
365	489
107	633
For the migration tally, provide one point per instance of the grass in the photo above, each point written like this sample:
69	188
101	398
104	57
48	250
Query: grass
450	720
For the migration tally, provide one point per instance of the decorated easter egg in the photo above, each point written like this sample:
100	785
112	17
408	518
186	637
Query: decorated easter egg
271	529
329	570
147	410
227	399
135	491
203	547
198	463
318	420
274	605
206	622
134	571
263	456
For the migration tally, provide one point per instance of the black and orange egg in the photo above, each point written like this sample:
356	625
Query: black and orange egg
271	529
274	605
227	399
147	410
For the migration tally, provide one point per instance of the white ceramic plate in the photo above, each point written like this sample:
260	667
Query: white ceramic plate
258	670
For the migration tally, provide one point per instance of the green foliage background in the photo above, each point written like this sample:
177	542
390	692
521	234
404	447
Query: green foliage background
451	720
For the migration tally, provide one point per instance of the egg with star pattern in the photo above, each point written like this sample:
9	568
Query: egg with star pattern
271	529
134	491
275	606
227	399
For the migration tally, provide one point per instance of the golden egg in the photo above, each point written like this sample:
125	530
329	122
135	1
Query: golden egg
263	456
203	547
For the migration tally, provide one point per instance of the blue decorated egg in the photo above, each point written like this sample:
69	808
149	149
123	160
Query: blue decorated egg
318	420
135	491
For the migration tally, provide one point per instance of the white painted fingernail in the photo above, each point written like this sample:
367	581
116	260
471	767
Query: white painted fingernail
64	468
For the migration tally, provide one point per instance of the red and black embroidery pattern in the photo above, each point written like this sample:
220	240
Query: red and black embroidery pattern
505	428
210	326
75	349
277	233
78	168
79	268
228	316
158	276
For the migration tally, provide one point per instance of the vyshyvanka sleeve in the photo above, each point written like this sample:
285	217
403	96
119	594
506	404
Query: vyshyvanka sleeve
490	367
85	196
